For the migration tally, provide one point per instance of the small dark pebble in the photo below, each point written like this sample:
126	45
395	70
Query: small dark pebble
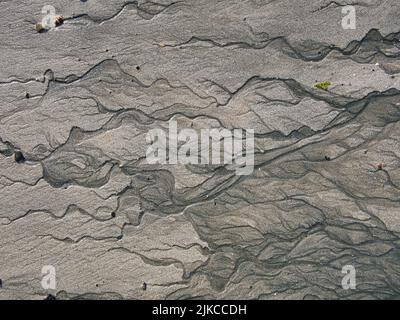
393	77
19	157
137	68
144	286
119	237
1	283
327	158
50	297
97	285
27	95
113	214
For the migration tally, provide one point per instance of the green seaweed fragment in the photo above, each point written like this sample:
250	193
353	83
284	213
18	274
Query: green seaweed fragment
323	85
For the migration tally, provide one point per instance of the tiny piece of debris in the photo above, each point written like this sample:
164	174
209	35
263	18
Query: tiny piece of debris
27	95
162	44
59	20
323	85
327	158
380	166
144	286
1	283
113	214
19	157
50	297
39	28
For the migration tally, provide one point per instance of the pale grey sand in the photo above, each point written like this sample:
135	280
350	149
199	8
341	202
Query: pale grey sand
77	102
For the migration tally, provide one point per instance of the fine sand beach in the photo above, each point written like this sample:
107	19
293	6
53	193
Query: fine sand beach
86	85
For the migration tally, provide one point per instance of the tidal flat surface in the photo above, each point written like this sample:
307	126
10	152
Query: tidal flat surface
77	102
